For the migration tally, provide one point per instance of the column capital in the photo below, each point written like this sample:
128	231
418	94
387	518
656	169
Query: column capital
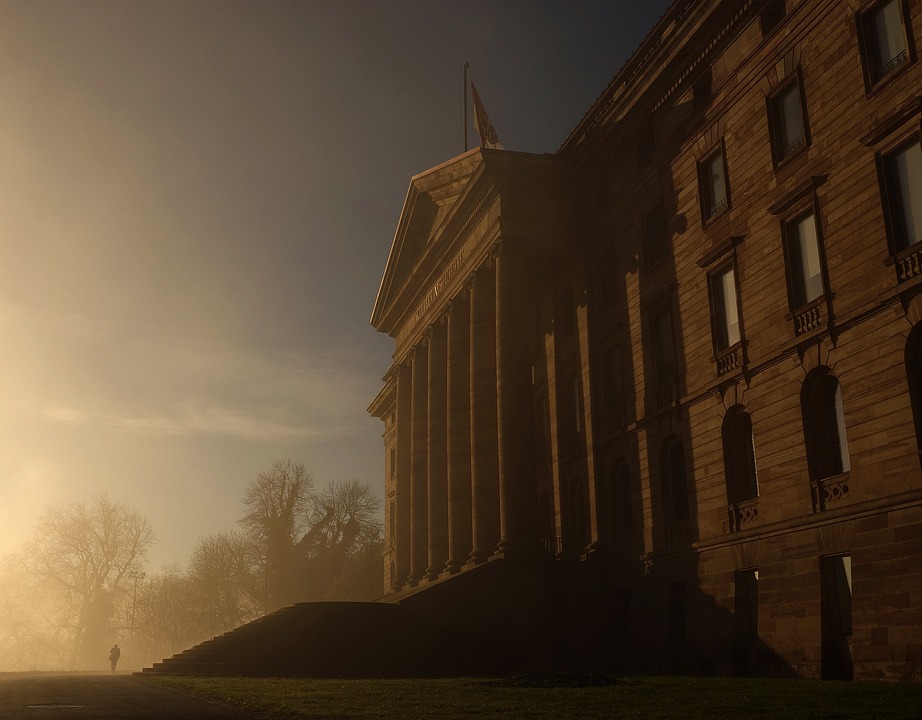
446	312
494	252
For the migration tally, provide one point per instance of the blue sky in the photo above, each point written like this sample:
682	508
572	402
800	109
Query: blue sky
197	200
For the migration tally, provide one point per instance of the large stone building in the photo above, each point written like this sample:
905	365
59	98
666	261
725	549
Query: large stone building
657	398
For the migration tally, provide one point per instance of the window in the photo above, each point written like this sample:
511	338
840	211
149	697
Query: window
805	268
654	237
771	15
623	497
676	613
564	313
674	480
663	347
914	376
725	305
612	387
746	621
884	38
739	456
836	608
824	425
786	118
576	404
903	194
712	179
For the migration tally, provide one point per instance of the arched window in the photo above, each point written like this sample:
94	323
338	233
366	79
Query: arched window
674	481
914	376
824	425
739	456
614	504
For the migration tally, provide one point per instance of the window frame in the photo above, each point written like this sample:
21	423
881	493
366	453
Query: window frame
825	429
793	266
891	195
781	153
655	235
674	481
718	305
664	309
710	209
874	78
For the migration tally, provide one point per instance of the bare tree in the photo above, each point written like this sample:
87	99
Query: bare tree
163	616
222	570
87	552
345	530
275	514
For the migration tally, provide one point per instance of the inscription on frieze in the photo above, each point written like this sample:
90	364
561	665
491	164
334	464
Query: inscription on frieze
439	286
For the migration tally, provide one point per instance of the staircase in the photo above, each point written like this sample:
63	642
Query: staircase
321	639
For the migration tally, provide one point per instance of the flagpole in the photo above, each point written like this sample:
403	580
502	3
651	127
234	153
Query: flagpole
466	66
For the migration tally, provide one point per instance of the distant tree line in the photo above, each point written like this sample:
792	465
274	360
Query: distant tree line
81	584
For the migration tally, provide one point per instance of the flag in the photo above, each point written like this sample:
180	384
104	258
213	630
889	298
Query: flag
488	137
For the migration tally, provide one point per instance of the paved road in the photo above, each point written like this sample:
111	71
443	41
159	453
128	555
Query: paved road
99	696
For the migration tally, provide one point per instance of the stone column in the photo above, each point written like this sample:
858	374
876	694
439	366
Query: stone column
402	456
438	461
484	453
419	468
515	403
459	434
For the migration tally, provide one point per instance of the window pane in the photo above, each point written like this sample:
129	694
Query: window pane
731	320
791	119
808	279
840	429
887	30
906	169
663	348
716	184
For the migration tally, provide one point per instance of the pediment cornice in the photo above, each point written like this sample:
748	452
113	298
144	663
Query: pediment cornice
447	211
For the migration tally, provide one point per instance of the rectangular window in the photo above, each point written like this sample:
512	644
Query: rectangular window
836	616
676	613
654	237
564	313
903	185
712	176
804	258
726	309
884	37
746	621
771	15
611	385
789	133
663	347
576	404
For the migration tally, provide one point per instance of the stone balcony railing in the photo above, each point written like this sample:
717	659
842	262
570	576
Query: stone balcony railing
809	318
829	491
909	265
742	514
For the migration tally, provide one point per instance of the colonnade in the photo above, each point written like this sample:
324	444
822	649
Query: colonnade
465	432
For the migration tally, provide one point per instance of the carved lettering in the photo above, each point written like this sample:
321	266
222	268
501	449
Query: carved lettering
439	286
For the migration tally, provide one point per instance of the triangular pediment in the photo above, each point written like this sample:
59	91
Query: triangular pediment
431	198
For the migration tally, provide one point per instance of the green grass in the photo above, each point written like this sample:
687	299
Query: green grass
650	698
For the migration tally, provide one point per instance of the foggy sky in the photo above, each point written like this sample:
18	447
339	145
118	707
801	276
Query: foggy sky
197	200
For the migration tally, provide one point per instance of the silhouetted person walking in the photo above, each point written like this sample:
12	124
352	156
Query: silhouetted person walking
114	655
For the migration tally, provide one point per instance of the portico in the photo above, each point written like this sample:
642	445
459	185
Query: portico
459	297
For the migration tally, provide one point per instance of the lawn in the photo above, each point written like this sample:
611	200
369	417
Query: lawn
556	697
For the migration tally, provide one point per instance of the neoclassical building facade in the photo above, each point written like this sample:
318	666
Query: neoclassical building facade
675	368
